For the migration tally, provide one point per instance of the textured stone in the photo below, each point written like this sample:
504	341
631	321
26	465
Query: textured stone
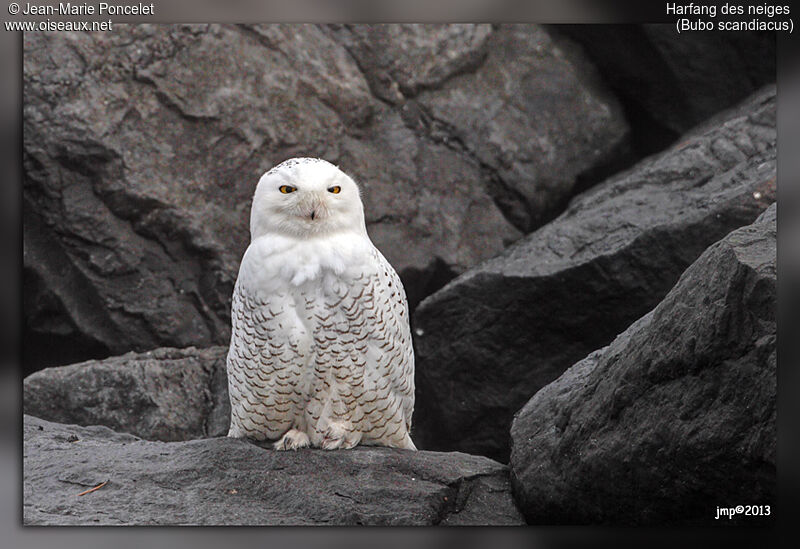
677	416
142	149
400	60
425	205
497	334
165	394
223	481
524	102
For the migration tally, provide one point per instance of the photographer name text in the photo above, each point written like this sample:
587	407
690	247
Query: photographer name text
101	8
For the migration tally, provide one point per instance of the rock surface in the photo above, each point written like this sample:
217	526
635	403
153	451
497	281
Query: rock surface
677	416
165	394
497	334
523	102
223	481
399	61
540	120
142	148
670	82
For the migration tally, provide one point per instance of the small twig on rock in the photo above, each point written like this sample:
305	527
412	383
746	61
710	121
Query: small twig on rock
90	490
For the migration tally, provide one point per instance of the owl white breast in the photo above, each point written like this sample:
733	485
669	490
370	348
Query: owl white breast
320	349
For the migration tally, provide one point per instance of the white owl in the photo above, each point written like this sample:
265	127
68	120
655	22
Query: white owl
320	349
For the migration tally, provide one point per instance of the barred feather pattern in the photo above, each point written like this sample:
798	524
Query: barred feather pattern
329	351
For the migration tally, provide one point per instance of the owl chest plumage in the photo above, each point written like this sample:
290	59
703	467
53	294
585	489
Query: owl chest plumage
320	334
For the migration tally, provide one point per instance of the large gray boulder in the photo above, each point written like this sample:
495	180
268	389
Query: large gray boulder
503	330
676	417
223	481
142	148
521	100
164	394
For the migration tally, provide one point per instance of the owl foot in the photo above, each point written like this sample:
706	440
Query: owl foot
292	440
336	436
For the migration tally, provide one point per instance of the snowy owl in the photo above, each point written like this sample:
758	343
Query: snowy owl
320	351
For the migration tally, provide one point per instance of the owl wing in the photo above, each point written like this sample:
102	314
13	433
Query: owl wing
390	354
262	364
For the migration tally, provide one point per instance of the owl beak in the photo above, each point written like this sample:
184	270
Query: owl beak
313	208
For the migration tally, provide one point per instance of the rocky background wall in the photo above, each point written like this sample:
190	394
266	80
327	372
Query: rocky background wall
580	215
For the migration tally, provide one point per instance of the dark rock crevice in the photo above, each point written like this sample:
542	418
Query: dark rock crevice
503	330
667	84
509	201
420	283
58	313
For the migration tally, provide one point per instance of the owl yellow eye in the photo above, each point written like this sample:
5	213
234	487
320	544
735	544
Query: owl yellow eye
286	189
335	190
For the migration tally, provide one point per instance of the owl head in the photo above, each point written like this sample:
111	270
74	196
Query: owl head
304	198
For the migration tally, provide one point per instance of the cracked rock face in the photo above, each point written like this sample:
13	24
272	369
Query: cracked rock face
503	330
401	60
519	99
676	416
537	115
223	481
165	394
142	149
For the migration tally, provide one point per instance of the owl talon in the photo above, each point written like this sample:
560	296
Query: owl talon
336	436
292	440
330	443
